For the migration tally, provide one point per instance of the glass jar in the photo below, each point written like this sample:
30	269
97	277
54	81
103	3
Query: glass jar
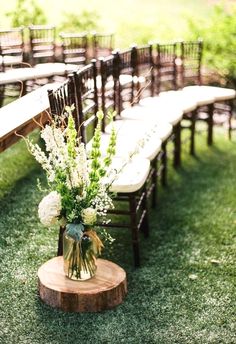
80	255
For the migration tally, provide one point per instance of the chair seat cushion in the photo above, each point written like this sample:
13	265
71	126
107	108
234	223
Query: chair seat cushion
171	99
9	60
200	95
154	113
189	97
220	93
131	176
147	148
138	129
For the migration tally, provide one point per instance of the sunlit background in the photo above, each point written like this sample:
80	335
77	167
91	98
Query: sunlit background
132	20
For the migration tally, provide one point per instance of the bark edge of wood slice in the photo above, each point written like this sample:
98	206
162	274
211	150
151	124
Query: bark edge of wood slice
105	290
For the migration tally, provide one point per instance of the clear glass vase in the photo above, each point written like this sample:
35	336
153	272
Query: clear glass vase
80	255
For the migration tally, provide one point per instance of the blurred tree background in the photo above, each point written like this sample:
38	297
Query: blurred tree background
218	33
25	13
138	21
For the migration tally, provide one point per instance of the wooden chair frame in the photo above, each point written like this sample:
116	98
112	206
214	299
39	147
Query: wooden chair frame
136	202
74	48
42	43
12	55
166	70
191	53
102	44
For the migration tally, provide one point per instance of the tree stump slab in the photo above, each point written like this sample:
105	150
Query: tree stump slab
105	290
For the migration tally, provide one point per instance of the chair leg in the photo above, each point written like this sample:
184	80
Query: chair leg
154	181
230	103
192	135
23	89
2	89
210	125
177	145
145	221
60	241
134	229
164	164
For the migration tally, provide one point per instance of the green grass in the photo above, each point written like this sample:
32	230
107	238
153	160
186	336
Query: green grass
193	225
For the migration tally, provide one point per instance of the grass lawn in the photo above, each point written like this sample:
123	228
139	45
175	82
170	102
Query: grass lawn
183	293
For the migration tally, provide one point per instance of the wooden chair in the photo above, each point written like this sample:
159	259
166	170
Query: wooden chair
166	70
150	149
42	43
144	71
75	48
102	44
135	69
2	88
156	73
12	55
191	62
12	48
130	186
124	68
167	80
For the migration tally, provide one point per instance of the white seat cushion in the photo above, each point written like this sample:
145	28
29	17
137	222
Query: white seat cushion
147	148
190	96
203	96
154	113
138	129
171	99
124	147
131	177
9	60
220	93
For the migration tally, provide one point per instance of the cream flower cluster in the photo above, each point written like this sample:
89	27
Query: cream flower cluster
89	216
49	208
82	195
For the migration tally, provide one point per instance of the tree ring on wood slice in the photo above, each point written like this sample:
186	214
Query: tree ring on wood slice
105	290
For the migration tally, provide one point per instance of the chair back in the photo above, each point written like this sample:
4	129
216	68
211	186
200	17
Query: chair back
42	43
12	48
74	48
85	82
144	72
166	75
102	44
191	59
109	86
63	96
125	70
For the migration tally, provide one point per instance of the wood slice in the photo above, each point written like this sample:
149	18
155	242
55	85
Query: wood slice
105	290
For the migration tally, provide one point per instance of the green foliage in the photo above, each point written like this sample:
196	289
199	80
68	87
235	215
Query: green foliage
71	134
99	166
218	32
79	22
25	13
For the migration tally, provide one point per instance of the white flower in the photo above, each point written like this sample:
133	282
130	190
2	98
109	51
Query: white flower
50	208
89	216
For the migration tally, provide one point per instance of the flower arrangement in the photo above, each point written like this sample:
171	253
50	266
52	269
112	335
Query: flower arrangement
79	195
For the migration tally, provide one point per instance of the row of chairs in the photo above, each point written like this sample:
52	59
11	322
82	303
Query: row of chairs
42	47
129	82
